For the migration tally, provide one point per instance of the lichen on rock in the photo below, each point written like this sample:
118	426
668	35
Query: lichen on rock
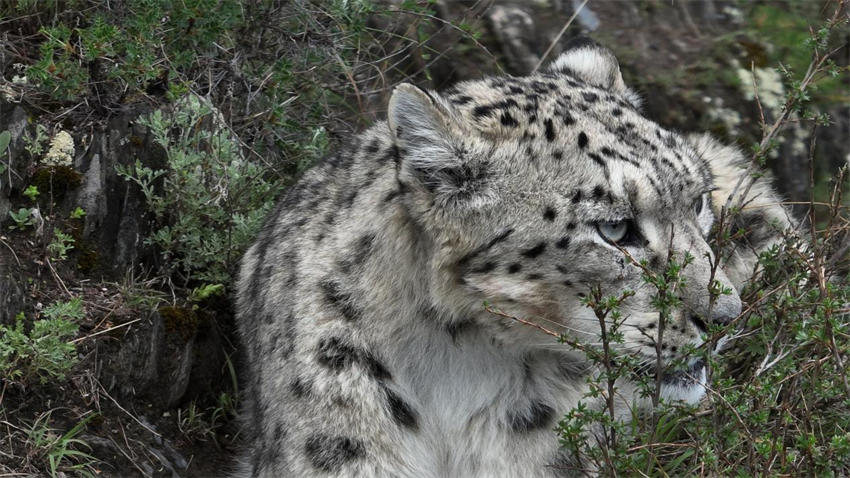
61	152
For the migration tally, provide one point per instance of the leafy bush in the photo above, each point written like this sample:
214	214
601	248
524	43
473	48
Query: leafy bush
43	352
778	402
209	202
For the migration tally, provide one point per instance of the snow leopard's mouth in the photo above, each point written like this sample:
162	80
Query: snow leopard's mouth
691	375
684	376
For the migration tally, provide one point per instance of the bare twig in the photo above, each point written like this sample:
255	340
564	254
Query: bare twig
78	340
558	37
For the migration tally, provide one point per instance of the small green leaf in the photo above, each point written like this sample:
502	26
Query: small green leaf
5	139
31	192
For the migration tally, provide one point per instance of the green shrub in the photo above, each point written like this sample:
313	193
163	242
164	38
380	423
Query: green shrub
210	201
778	402
42	352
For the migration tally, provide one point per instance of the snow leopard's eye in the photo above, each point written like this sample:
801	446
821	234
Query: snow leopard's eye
613	232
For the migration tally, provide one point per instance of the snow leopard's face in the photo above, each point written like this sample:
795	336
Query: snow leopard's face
541	190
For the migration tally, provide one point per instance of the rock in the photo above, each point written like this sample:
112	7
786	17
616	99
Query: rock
13	118
514	29
11	288
586	17
168	358
115	208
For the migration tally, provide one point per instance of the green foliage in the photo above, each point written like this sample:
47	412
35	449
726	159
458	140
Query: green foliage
5	138
31	192
59	453
77	213
42	352
199	294
72	310
210	201
60	245
203	424
34	143
779	401
139	43
22	219
786	28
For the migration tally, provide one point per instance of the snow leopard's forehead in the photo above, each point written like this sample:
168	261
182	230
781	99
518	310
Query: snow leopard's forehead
564	128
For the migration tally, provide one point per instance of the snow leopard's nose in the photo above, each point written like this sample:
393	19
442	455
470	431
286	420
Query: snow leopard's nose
725	308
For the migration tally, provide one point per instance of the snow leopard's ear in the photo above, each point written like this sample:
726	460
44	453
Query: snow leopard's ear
762	219
592	63
430	146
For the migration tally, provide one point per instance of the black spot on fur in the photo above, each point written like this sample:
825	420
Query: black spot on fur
400	410
582	140
534	276
576	197
535	251
598	160
598	192
550	130
549	213
341	300
484	268
589	97
376	369
482	110
455	328
374	146
617	112
335	354
607	152
563	242
301	388
329	453
462	100
655	262
537	416
514	268
562	269
486	110
508	120
558	154
568	118
362	250
395	193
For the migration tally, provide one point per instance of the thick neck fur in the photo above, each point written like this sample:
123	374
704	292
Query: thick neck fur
470	389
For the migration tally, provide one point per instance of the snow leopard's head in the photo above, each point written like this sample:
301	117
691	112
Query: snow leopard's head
541	192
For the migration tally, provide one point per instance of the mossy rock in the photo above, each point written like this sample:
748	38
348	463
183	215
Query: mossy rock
181	321
56	180
88	258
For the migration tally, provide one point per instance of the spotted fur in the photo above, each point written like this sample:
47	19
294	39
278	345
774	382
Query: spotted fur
360	304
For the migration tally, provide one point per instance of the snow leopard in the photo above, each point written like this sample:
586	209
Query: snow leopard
393	310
